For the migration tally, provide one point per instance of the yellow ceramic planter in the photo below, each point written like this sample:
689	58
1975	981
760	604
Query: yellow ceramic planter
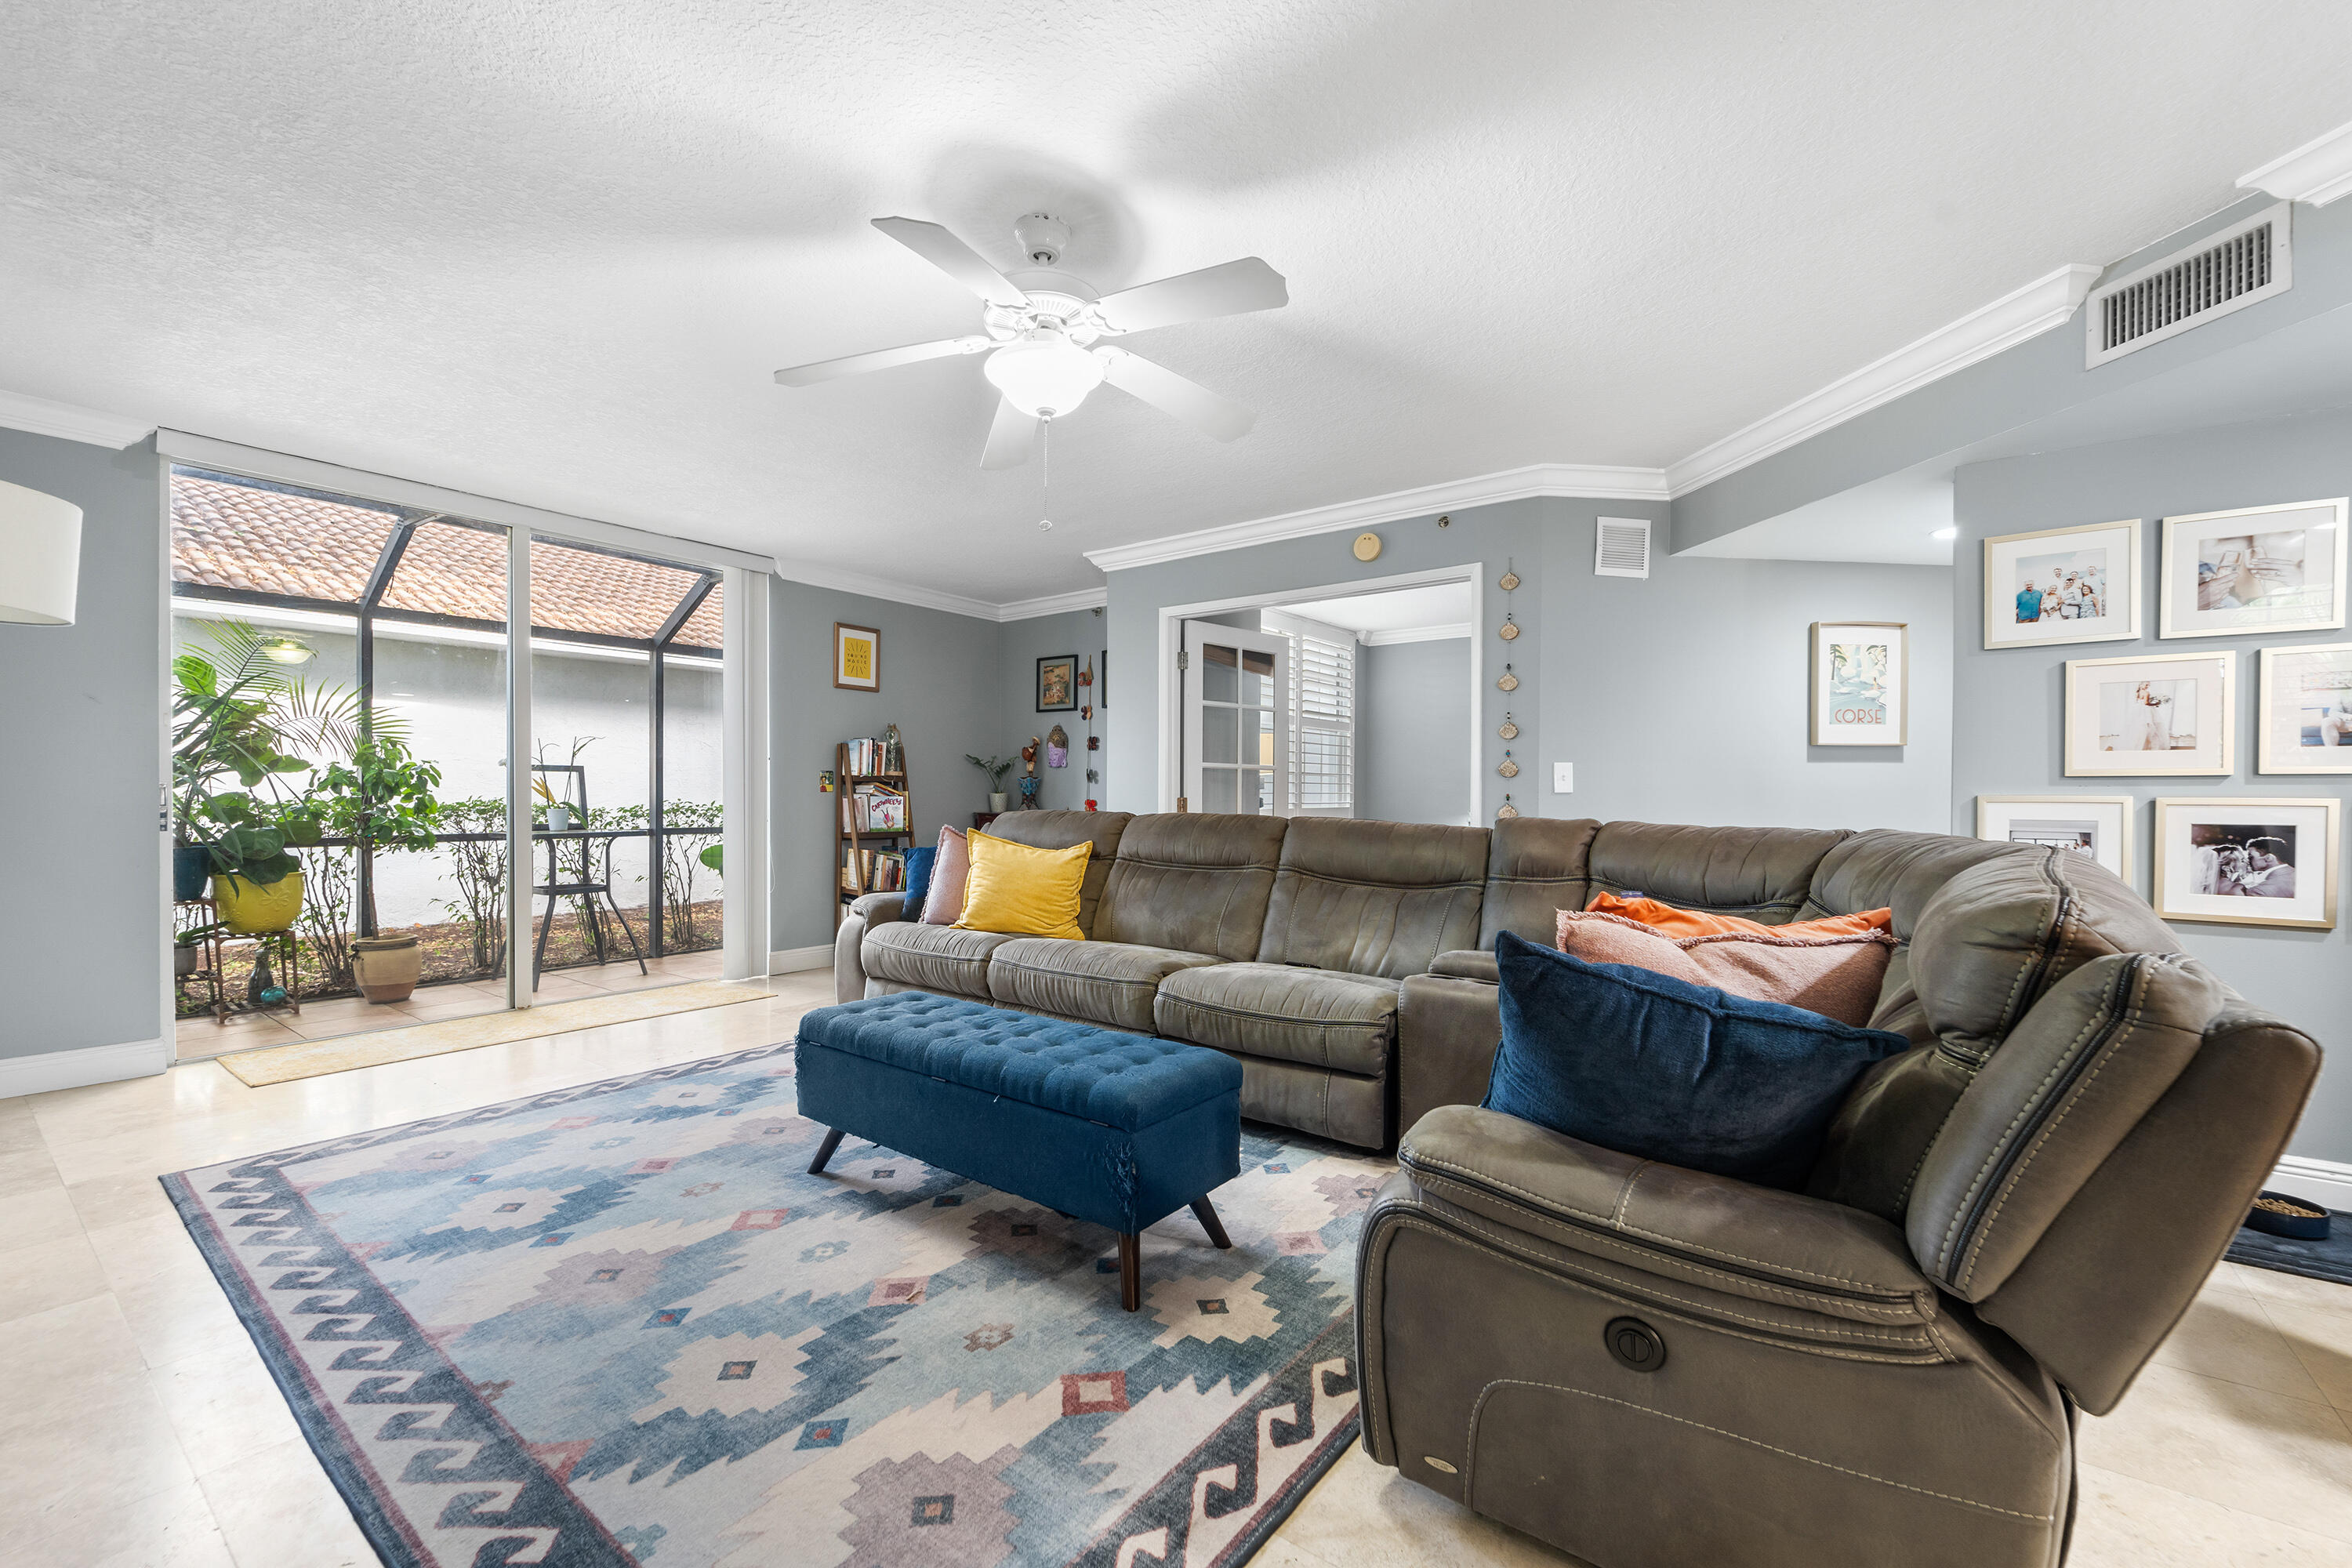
249	908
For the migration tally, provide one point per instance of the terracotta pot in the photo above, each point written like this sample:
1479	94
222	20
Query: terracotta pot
387	967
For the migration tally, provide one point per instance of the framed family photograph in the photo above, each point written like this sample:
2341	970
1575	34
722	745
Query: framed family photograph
1860	683
2307	709
2097	827
2257	569
2265	862
1057	683
856	657
2063	586
2153	714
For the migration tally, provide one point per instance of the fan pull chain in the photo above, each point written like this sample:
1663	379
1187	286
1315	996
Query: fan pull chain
1045	450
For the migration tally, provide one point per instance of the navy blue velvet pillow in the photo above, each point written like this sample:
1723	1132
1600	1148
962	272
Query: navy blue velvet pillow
1658	1067
918	880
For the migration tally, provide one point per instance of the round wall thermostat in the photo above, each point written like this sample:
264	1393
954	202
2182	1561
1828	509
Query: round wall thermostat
1367	546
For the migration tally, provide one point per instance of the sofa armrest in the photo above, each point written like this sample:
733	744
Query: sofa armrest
864	912
1725	1238
1467	963
880	909
1447	1029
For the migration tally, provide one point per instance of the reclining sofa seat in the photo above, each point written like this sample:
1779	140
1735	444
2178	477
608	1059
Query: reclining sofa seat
1281	941
2004	1223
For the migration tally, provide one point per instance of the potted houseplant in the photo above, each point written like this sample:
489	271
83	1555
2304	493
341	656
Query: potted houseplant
387	967
995	768
188	948
256	885
382	799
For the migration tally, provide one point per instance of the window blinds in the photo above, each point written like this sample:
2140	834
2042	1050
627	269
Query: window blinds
1323	725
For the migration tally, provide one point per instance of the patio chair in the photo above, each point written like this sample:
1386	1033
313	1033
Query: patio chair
587	889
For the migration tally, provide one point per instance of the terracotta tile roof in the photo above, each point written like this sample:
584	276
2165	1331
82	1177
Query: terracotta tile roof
226	535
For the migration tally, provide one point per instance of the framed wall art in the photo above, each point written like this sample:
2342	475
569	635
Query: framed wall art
1860	683
2263	862
2305	718
2097	826
2063	586
1057	683
2153	714
2257	569
856	657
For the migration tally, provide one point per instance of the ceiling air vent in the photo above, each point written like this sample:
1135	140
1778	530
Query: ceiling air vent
2229	271
1620	547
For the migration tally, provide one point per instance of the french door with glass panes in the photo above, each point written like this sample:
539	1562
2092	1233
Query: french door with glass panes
1236	732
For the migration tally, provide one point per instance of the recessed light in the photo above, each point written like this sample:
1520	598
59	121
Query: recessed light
1946	533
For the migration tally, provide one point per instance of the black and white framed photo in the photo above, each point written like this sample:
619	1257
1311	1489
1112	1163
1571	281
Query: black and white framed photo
2063	586
2256	569
2239	861
1860	683
2097	827
2154	713
2307	709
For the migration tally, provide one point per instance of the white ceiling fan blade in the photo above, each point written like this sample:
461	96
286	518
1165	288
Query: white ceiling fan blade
954	257
1227	290
1010	436
881	359
1162	388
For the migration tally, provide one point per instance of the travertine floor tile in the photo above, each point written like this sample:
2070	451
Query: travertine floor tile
278	1510
224	1406
2322	1340
2286	1459
49	1274
39	1214
2225	1335
2121	1522
1365	1515
169	1528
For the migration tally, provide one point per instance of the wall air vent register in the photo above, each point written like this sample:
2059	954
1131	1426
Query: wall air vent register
2247	262
1620	547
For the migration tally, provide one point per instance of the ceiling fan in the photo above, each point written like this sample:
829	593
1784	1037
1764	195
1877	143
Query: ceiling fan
1045	334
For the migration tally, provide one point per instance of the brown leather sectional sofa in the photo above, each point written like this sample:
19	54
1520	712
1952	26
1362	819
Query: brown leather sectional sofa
1650	1366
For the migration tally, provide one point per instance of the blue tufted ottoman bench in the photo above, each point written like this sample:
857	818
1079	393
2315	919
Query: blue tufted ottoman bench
1118	1129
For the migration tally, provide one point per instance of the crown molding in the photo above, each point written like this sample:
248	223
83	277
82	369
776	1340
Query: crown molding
42	417
1415	634
882	588
2317	172
2048	301
1586	480
1054	605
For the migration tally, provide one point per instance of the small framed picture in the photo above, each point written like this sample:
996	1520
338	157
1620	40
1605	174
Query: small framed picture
1057	683
2257	569
856	657
2151	715
2263	862
2307	709
1860	683
2061	585
2097	826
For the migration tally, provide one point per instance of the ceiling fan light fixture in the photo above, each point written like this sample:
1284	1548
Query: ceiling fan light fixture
1042	373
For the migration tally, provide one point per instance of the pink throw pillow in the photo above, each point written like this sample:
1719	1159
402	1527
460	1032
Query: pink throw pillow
1838	976
943	905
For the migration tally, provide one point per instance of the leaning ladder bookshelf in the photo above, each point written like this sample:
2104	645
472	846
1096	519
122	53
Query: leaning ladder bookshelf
853	843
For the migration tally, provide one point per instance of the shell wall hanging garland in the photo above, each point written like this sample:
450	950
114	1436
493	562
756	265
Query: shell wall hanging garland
1507	681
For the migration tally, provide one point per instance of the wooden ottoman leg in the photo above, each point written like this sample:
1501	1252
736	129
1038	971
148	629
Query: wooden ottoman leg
1131	1270
824	1152
1207	1215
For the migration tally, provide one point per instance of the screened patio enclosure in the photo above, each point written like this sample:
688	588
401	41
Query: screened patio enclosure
403	611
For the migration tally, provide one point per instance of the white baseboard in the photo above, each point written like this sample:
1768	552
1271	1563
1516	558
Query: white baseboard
2321	1181
76	1069
793	960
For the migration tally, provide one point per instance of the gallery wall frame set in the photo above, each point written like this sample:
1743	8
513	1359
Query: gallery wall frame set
2248	860
2306	720
856	657
2063	586
2254	569
1859	689
2152	715
2097	826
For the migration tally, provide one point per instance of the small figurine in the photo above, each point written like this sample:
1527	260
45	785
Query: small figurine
1029	779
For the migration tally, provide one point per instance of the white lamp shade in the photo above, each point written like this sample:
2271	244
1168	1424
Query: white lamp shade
41	557
1042	373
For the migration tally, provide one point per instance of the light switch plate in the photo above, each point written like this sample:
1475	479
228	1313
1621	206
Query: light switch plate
1563	778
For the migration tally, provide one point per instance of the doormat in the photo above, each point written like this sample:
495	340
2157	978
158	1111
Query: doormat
315	1059
621	1323
2330	1259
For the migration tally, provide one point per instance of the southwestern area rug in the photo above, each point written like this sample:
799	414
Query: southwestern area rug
621	1324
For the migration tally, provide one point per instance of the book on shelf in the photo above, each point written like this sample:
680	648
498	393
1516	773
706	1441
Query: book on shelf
875	871
877	755
873	808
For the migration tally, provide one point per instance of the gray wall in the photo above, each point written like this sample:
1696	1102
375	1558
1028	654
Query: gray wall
1408	744
80	756
1679	698
1080	632
2007	703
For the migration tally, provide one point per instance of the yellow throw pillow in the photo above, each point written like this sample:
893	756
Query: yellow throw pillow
1024	892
